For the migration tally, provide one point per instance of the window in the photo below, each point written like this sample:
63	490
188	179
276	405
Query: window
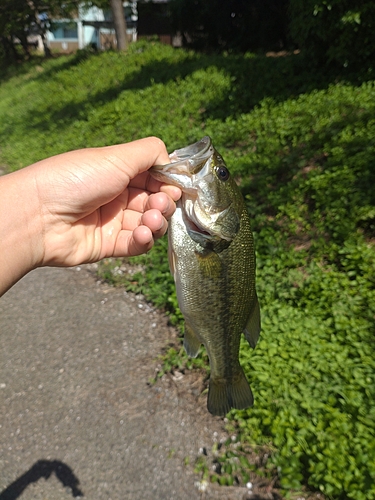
64	30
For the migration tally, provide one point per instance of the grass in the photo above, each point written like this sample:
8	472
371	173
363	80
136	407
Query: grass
302	146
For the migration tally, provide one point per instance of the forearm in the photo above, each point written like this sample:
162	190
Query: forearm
20	227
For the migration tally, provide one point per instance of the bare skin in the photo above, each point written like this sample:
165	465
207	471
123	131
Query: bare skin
83	206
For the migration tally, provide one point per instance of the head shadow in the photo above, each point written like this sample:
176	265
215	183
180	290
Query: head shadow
43	469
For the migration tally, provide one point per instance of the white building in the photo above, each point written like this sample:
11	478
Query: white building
92	27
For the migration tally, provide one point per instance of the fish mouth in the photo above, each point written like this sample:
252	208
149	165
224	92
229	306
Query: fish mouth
185	163
193	155
188	167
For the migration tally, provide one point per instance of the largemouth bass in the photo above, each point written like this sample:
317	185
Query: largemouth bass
211	257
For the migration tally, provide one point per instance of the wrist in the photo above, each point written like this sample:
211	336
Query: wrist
21	230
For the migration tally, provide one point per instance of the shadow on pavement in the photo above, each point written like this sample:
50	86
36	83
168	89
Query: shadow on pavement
43	468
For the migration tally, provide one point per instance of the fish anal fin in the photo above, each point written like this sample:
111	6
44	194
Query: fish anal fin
191	342
225	394
252	328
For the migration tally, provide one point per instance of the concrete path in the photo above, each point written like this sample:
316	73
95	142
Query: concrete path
77	414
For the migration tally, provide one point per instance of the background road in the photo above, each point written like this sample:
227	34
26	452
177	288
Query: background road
77	414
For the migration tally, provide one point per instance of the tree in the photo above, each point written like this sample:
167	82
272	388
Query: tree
21	18
40	25
231	24
120	23
13	20
335	31
118	17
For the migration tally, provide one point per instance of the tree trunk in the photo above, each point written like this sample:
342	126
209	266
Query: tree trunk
120	23
47	50
10	50
41	28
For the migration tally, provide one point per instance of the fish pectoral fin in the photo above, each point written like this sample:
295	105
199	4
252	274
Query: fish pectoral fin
191	342
172	262
209	263
252	328
226	394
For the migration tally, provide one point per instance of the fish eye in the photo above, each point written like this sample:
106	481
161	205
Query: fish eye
222	173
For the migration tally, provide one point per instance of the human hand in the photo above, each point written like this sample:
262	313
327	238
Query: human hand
89	204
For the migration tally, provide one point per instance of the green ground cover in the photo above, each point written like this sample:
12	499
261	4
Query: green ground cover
302	146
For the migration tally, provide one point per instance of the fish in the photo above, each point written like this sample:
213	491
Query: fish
212	259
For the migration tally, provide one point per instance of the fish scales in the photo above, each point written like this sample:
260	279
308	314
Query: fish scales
212	259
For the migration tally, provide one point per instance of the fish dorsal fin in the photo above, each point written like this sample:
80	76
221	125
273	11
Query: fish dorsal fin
191	341
252	328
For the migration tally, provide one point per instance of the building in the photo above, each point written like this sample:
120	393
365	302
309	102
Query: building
91	27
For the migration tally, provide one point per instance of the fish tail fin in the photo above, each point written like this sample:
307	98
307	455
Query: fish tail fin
226	394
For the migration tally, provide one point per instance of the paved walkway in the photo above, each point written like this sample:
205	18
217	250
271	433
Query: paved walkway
77	415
